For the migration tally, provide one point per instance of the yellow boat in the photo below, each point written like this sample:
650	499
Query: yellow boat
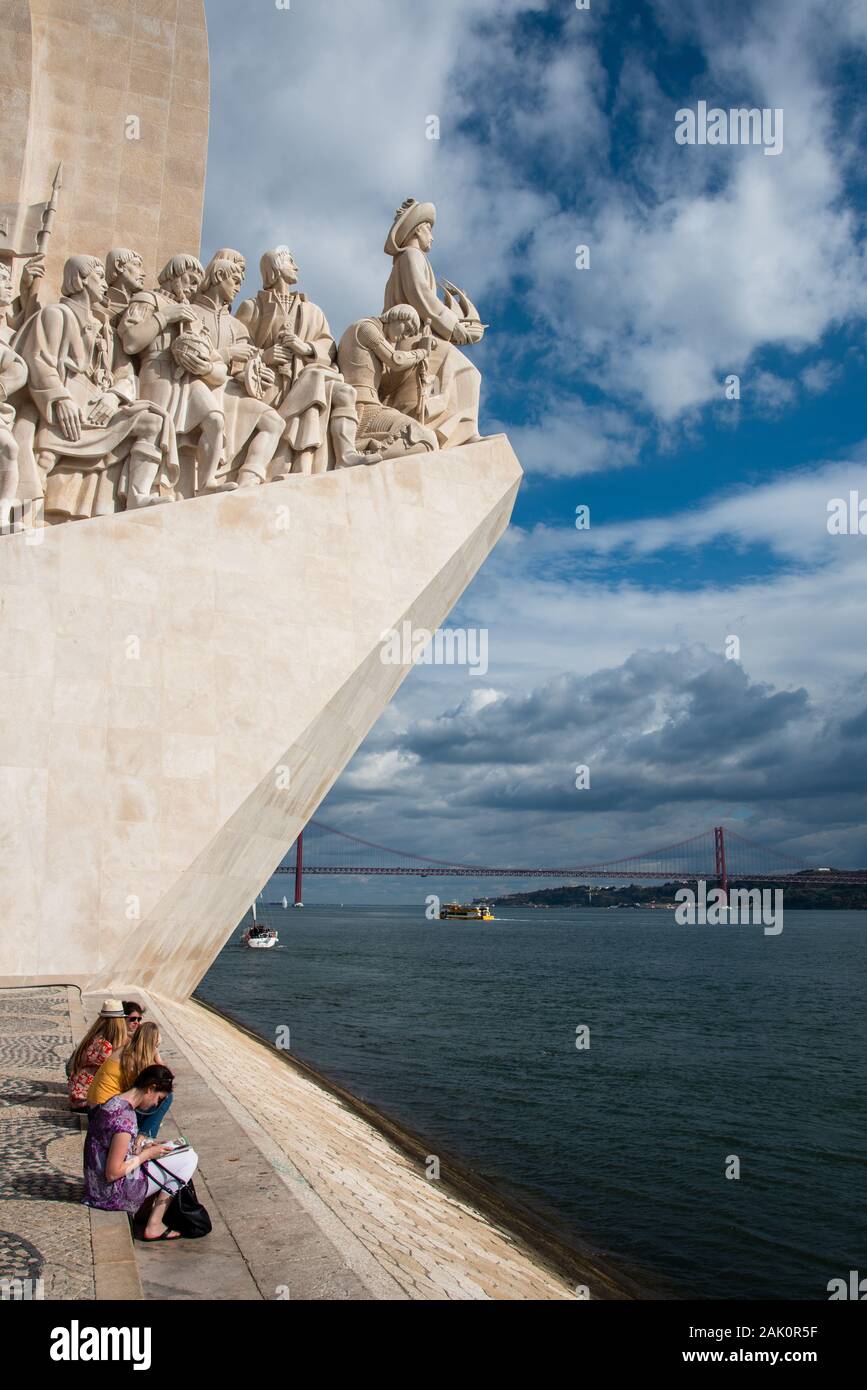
466	912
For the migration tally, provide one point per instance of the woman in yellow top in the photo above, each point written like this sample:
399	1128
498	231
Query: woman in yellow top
103	1039
117	1074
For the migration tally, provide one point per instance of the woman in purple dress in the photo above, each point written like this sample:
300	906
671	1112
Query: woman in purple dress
115	1177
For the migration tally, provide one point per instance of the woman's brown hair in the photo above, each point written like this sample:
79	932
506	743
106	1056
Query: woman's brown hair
158	1077
139	1053
114	1030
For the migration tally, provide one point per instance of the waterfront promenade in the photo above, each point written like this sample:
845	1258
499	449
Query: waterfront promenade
308	1200
56	1247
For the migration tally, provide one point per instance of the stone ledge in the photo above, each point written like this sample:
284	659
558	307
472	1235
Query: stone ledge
182	685
407	1238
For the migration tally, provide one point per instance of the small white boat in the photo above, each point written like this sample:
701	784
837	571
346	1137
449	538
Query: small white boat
285	903
260	938
257	936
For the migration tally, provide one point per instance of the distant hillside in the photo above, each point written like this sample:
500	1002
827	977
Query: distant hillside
796	897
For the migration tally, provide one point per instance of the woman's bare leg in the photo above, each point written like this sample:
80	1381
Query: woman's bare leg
155	1226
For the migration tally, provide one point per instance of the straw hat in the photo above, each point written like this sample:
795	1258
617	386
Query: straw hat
112	1008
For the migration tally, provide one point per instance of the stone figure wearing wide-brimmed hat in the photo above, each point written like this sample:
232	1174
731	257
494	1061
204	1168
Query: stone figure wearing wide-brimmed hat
452	411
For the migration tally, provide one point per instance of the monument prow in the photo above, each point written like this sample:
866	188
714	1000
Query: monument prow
182	685
213	511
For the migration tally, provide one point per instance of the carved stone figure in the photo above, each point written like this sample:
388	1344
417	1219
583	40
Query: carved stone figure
124	271
228	253
454	408
293	335
13	375
252	427
370	360
176	372
126	397
96	444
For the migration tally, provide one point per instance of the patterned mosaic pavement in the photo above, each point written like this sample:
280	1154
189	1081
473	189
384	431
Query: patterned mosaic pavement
44	1230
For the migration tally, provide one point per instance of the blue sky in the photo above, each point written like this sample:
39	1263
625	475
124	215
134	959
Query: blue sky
708	515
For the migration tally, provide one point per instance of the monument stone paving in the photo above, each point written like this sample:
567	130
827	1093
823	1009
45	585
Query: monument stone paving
210	512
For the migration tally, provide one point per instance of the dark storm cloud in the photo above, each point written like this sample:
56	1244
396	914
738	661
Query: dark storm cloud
675	742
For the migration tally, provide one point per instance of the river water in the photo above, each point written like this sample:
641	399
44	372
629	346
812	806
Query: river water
706	1045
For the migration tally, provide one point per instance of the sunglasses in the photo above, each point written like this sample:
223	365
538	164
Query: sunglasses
133	1018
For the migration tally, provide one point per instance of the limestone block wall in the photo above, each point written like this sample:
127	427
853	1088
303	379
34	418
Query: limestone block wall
180	686
72	74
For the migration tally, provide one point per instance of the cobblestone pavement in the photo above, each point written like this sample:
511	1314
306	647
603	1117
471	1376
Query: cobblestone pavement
44	1230
431	1244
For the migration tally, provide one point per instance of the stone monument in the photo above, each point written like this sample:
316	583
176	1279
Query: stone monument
209	522
119	95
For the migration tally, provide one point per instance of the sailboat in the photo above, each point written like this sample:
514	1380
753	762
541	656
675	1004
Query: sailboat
258	936
285	904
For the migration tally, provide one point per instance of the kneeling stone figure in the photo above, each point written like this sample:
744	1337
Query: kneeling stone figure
368	358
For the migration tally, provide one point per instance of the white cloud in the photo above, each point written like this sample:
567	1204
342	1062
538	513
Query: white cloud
788	515
700	257
727	251
820	376
572	438
318	133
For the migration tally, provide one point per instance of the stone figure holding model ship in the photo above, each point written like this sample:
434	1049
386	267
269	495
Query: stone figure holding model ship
317	405
452	411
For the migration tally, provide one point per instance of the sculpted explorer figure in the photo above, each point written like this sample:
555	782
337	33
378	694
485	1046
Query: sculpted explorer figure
293	335
26	302
454	411
369	358
124	271
96	444
13	375
253	429
177	369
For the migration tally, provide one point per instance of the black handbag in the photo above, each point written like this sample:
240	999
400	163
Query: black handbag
184	1213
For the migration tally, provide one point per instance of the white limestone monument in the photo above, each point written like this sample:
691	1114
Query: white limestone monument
210	516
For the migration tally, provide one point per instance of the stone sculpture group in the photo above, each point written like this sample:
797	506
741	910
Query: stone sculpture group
122	396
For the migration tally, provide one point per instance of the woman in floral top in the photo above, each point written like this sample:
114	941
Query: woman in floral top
115	1178
105	1036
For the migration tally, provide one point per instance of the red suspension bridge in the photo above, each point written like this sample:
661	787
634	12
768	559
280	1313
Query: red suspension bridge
715	855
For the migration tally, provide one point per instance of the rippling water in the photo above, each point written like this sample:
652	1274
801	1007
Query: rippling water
705	1042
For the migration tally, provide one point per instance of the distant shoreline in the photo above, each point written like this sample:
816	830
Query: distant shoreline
845	898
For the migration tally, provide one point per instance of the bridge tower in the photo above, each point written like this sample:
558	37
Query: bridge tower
719	842
299	869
